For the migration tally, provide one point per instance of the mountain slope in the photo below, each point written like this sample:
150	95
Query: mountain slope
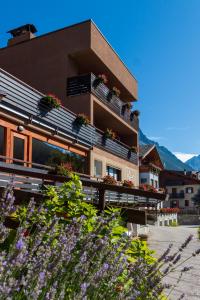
170	161
194	162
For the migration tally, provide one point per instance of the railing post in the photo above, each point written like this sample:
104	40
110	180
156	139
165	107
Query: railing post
101	198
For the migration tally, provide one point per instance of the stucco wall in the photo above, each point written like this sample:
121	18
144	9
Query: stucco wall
128	170
187	196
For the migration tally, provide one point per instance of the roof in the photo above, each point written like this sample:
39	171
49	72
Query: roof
145	149
175	178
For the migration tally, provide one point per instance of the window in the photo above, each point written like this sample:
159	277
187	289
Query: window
47	154
98	168
2	143
143	180
189	190
18	148
115	173
173	190
186	202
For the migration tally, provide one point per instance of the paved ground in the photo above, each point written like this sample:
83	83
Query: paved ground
160	238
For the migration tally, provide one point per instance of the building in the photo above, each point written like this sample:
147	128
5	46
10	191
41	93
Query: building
181	188
68	63
150	165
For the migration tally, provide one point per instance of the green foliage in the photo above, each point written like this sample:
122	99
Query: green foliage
139	249
174	224
67	203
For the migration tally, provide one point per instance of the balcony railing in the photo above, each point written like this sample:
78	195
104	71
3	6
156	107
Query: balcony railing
86	84
177	195
115	147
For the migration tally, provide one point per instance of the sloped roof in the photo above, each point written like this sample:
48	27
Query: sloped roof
145	149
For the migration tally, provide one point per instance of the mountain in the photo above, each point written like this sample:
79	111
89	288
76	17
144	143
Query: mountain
194	162
170	161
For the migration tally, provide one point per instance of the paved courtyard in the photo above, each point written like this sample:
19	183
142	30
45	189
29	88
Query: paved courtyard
160	238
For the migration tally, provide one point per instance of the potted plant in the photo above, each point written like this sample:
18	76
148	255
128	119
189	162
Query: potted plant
128	183
109	134
115	91
134	113
65	169
82	119
109	180
51	101
101	78
134	149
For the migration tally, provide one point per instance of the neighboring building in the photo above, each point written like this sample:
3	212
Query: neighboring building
150	165
181	188
67	62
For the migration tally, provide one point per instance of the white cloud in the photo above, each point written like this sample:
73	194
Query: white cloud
184	156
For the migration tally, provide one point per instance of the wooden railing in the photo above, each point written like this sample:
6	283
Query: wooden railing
31	180
86	84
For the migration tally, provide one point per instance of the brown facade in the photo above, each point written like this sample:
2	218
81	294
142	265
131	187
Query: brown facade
49	62
45	62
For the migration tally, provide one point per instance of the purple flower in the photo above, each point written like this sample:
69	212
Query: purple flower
19	244
84	287
42	276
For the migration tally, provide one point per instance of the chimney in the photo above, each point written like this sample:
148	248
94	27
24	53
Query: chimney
22	34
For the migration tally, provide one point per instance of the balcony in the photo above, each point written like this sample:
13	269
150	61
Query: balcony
85	84
115	147
180	195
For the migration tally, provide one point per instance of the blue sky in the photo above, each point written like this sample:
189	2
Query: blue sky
159	41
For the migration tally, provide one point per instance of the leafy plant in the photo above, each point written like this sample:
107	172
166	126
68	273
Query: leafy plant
82	119
116	91
109	134
134	149
101	78
51	101
127	106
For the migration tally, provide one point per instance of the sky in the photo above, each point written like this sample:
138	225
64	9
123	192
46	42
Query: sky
158	40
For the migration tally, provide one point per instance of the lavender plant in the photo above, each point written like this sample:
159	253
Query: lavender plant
61	260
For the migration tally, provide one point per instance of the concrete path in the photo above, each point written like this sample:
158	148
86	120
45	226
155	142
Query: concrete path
160	238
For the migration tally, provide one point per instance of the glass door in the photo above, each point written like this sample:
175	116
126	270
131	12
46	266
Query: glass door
19	148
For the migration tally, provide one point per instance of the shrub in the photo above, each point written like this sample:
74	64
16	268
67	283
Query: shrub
128	183
109	180
82	119
51	101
